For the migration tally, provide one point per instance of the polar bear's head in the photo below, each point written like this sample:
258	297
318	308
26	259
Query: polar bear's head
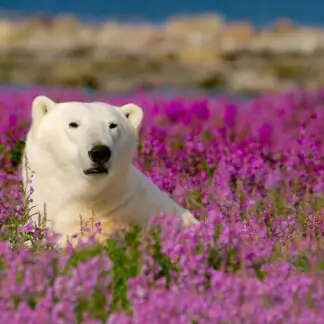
89	141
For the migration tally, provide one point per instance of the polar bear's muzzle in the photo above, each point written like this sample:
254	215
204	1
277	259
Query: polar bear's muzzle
100	169
99	154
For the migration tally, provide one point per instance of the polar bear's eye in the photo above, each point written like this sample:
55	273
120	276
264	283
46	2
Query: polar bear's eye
74	125
112	125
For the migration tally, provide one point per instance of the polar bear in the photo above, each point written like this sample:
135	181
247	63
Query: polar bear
78	156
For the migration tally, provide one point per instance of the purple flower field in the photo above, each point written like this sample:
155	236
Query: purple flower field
253	173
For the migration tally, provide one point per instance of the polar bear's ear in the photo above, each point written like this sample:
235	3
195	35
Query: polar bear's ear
40	107
134	114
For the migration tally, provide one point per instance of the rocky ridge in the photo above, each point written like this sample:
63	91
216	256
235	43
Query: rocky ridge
186	51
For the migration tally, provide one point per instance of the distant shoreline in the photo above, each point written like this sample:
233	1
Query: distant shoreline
186	51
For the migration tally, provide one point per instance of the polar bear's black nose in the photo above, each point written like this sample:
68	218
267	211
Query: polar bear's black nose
100	154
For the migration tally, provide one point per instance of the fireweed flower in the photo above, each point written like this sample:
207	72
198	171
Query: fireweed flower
251	172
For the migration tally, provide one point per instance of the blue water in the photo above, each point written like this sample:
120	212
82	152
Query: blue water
260	12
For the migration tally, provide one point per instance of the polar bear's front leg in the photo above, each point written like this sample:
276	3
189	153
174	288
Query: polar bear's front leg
189	219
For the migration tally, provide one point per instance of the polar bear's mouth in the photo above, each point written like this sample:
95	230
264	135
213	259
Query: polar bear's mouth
96	170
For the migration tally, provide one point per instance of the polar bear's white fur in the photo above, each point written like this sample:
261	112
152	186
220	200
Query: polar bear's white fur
68	183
